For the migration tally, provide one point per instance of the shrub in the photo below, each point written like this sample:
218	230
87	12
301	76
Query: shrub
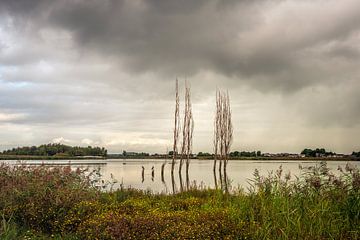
40	197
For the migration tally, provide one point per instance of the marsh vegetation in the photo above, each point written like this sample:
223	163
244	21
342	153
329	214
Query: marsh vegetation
40	202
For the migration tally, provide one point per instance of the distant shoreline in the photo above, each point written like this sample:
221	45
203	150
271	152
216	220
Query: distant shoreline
33	157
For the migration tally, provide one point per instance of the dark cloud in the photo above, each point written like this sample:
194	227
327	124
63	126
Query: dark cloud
111	64
235	38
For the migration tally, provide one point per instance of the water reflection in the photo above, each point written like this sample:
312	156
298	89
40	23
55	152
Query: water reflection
162	172
173	182
215	179
181	182
152	173
142	174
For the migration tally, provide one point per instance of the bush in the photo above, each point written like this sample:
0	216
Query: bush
40	197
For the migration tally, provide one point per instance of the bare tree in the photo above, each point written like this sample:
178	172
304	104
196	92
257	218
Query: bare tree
187	134
216	131
187	131
184	134
228	136
176	126
223	130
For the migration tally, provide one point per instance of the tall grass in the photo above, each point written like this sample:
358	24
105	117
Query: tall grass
59	203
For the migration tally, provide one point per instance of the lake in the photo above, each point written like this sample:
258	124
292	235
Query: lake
129	172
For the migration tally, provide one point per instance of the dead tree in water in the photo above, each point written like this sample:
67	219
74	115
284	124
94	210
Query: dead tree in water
223	132
162	172
228	129
216	135
163	166
152	173
142	174
188	128
216	129
220	127
176	127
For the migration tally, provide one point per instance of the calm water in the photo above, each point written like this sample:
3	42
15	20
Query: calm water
129	172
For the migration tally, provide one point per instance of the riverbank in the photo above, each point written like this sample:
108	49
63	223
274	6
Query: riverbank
59	203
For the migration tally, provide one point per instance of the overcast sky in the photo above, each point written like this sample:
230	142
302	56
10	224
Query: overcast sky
86	72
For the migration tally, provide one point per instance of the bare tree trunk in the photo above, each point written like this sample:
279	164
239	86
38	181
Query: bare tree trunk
184	132
228	129
176	127
163	166
216	131
189	129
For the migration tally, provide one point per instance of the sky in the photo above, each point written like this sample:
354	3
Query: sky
86	72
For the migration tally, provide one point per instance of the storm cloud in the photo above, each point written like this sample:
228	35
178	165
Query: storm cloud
103	71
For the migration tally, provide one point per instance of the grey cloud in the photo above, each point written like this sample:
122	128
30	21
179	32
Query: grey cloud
233	38
328	107
347	52
235	41
110	64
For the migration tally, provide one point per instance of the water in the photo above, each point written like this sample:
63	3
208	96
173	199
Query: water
129	172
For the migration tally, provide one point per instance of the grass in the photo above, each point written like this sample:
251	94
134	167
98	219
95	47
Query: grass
60	203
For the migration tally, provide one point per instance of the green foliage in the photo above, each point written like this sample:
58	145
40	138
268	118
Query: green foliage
355	154
319	152
57	149
204	154
60	203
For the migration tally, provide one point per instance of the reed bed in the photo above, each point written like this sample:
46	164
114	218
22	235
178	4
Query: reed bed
40	202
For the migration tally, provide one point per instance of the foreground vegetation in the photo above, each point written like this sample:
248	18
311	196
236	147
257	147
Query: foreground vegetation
60	203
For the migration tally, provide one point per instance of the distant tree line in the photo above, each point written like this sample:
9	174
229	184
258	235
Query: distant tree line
245	154
318	152
57	149
204	154
135	154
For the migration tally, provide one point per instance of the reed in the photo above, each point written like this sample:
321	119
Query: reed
61	203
